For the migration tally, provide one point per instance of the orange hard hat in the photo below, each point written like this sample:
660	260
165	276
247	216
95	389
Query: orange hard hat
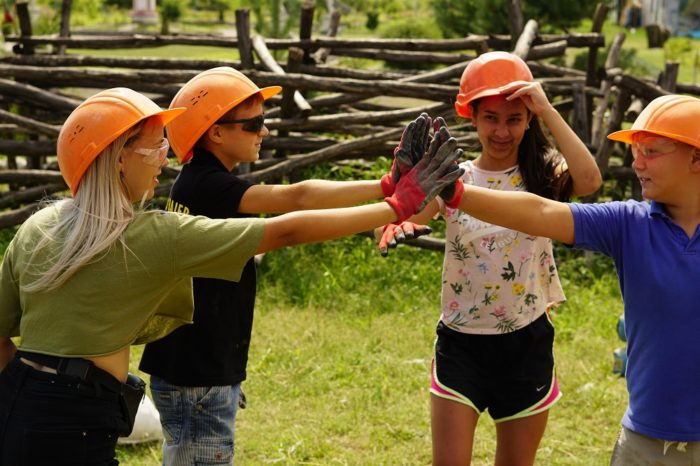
484	75
673	116
209	96
96	123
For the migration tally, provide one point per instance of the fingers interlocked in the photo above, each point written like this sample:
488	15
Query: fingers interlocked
413	143
426	179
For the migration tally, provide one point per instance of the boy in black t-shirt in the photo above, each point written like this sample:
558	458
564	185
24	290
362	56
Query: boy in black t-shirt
196	372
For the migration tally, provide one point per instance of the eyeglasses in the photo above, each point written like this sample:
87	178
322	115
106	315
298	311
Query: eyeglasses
155	156
252	125
652	147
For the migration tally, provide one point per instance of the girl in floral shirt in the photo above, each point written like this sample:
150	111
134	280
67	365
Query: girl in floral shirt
494	339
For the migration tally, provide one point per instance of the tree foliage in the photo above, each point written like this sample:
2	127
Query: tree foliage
219	6
124	4
458	18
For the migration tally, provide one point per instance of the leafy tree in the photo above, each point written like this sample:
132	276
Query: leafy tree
273	18
220	6
458	18
124	4
170	10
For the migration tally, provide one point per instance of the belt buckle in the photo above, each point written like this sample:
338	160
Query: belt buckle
75	367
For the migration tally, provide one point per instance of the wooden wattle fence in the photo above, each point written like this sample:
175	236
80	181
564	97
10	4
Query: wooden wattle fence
326	112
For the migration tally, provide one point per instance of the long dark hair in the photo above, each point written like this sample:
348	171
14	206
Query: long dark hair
538	161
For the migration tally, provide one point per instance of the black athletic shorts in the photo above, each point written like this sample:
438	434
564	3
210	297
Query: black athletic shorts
511	375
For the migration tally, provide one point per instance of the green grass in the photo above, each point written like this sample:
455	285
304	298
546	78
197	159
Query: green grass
339	363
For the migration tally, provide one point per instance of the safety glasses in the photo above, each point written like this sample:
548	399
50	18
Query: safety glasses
252	125
652	147
154	156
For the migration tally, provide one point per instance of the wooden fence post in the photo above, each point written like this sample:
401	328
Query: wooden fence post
610	64
66	6
25	27
288	106
305	27
245	47
515	21
669	76
599	16
617	113
580	119
294	59
321	54
601	12
524	42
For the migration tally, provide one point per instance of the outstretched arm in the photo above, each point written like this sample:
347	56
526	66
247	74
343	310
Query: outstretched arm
579	161
324	194
308	195
320	225
413	192
521	211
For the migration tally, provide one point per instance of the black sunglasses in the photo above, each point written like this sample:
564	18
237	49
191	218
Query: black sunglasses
253	125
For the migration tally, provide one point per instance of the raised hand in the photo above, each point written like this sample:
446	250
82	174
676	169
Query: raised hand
410	150
393	233
452	194
426	179
530	92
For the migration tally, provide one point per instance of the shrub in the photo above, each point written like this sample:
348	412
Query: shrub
678	48
372	20
629	61
410	28
457	18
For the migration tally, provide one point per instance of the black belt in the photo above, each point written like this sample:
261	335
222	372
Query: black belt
80	368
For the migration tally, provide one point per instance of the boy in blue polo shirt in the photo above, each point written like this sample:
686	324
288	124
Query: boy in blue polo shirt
656	249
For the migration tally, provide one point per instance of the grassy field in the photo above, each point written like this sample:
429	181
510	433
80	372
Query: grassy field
340	355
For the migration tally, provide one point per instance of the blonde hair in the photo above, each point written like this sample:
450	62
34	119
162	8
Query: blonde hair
91	222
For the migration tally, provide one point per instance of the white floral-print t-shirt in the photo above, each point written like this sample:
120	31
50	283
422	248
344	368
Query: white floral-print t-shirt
495	280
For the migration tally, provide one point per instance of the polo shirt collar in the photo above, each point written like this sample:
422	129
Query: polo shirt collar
204	157
657	209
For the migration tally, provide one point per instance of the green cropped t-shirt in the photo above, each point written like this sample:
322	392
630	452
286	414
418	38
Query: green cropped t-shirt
125	296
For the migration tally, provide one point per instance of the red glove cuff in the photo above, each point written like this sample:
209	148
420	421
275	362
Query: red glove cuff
453	203
387	183
407	197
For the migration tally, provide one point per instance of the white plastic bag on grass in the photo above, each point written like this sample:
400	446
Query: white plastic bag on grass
147	425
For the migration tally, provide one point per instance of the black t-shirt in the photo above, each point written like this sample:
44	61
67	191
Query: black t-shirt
214	349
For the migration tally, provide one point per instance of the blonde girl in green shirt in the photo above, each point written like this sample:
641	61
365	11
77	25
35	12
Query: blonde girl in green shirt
86	277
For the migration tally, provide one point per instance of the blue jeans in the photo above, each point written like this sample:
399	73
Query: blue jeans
198	422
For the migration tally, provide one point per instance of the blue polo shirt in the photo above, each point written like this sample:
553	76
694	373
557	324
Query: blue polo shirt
659	271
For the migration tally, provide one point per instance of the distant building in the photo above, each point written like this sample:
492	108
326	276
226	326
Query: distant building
144	11
679	17
689	21
665	13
